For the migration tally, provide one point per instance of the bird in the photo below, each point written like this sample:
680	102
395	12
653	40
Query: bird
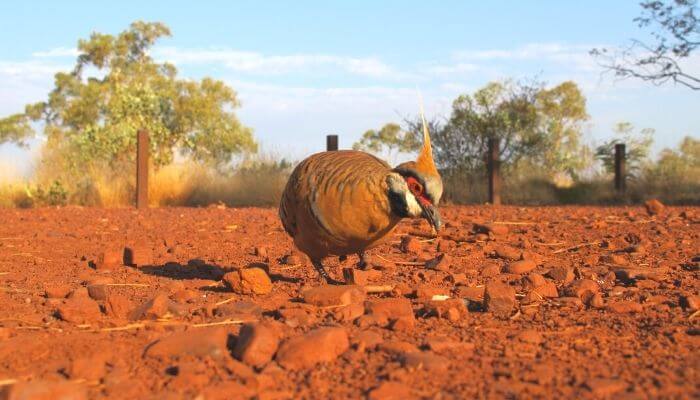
343	202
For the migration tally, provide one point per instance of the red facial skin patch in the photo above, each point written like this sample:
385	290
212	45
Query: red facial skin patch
417	189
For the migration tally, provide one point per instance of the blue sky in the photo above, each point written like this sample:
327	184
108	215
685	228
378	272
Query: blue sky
307	68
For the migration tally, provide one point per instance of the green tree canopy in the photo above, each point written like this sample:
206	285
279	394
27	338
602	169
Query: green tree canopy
390	138
637	147
94	111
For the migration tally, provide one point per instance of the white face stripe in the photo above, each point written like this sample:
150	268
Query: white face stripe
414	209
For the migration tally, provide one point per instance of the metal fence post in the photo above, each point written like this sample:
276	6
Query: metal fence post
620	184
493	166
142	146
331	142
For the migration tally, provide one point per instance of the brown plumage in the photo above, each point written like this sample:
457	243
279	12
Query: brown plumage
345	202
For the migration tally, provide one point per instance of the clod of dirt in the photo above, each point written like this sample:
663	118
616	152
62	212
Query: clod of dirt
520	267
533	280
97	292
596	301
654	207
499	298
138	256
471	293
530	336
292	258
490	270
256	344
451	309
243	310
248	281
403	324
158	307
547	290
507	252
199	342
366	340
334	295
295	316
110	258
44	390
425	360
390	308
442	262
410	244
185	295
582	288
625	307
426	292
57	291
79	310
561	274
260	252
691	303
391	391
355	276
320	345
349	313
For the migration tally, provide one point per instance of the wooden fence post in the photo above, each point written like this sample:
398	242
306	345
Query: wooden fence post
331	142
620	184
142	146
493	167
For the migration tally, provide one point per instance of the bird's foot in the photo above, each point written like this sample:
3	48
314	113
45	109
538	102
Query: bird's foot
362	264
324	275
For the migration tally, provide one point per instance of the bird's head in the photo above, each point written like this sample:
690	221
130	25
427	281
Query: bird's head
415	187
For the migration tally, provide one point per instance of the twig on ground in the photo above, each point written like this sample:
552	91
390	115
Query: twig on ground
400	262
226	322
5	382
379	288
128	284
222	302
578	246
123	328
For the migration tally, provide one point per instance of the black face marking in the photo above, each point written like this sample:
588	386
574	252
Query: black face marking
398	204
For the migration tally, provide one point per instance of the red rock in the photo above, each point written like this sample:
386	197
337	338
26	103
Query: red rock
79	293
692	303
397	347
403	324
389	307
596	301
442	262
426	292
499	298
261	252
533	280
292	259
531	336
582	288
490	270
456	278
57	291
625	307
97	292
605	387
445	245
561	274
90	368
79	310
355	276
520	267
471	293
367	340
391	391
248	281
495	229
410	244
507	252
425	360
367	321
297	316
654	207
349	313
44	390
138	256
198	342
452	309
118	306
256	344
185	295
548	290
320	345
158	307
244	310
334	295
615	259
109	259
441	344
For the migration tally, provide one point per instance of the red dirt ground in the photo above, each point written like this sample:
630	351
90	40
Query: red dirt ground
603	303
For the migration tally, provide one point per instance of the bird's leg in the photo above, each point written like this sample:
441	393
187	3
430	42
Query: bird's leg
363	261
322	272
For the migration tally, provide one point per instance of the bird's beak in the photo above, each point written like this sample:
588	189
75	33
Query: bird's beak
431	213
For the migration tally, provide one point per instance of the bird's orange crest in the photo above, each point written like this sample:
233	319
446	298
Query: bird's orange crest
424	162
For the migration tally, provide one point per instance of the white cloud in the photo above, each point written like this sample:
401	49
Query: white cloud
57	52
258	63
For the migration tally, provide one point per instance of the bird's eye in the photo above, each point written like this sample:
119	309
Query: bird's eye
415	187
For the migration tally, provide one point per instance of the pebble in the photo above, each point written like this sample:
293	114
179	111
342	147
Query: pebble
530	336
245	310
110	258
184	295
91	368
198	342
349	313
403	324
490	270
691	303
442	262
57	291
260	252
533	280
625	307
561	274
426	292
410	244
547	290
425	360
118	306
451	309
80	310
495	229
292	259
390	391
248	281
654	207
520	267
507	253
582	288
256	344
389	307
471	293
97	292
157	307
442	344
334	295
397	347
319	345
367	340
499	298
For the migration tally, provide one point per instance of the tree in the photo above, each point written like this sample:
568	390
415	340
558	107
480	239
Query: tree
675	36
92	114
637	147
389	138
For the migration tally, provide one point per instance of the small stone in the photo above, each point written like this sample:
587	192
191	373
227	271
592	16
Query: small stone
354	276
410	244
444	245
442	262
90	368
320	345
561	274
350	312
441	344
199	342
691	303
367	340
582	288
110	258
499	298
244	310
614	259
389	307
530	336
97	292
403	324
57	291
490	270
390	391
297	316
118	306
158	307
625	307
426	292
256	344
138	256
292	259
597	301
533	280
334	295
654	207
451	309
261	252
507	253
548	290
185	295
471	293
397	347
425	360
495	229
79	310
520	267
248	281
